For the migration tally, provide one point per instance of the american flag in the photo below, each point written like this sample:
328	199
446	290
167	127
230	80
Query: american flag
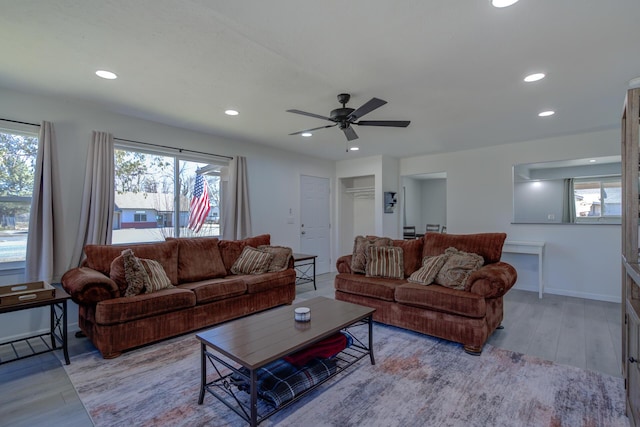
199	207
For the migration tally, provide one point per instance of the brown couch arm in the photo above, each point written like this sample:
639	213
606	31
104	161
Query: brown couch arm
87	286
493	280
343	264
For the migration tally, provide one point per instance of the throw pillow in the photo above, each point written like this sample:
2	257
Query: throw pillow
135	274
426	274
281	257
360	247
385	261
252	261
458	267
157	277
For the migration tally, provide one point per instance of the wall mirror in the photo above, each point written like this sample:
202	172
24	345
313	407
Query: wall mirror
580	191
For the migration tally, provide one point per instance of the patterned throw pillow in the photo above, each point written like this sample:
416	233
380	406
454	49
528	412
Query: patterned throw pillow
281	256
385	261
360	247
134	273
252	261
456	270
426	274
158	278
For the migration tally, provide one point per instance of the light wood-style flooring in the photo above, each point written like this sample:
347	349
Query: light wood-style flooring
571	331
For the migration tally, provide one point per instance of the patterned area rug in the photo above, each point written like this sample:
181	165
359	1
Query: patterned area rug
417	380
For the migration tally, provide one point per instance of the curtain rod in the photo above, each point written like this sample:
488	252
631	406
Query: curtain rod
19	122
180	150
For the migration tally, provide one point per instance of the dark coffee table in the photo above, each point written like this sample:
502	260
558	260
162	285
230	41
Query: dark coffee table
254	341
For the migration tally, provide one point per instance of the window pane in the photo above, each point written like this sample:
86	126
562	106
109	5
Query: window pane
18	152
612	198
144	197
193	221
587	196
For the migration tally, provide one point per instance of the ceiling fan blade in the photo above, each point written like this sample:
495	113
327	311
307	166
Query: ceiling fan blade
368	107
311	130
304	113
388	123
350	133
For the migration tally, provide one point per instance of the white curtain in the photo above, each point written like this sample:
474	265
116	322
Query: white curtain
45	216
236	221
96	216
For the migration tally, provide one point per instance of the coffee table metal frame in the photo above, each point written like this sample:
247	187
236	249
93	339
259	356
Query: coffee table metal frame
223	385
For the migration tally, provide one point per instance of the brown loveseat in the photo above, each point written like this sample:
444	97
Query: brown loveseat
466	316
205	292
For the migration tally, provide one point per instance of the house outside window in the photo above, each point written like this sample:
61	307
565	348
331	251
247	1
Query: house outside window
18	153
153	193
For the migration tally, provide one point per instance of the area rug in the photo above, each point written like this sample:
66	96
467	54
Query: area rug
417	380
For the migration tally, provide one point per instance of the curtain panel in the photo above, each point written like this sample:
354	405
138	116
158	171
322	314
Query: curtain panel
96	216
45	216
236	222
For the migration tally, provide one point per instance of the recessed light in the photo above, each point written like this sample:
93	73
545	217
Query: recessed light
546	113
503	3
592	160
354	148
534	77
231	112
106	74
306	134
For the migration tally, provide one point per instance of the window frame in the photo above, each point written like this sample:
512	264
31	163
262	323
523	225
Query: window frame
29	130
602	217
178	155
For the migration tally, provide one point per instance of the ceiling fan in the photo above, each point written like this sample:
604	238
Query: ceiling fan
345	117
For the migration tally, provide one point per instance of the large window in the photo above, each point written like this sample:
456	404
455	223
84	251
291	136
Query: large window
159	195
597	199
18	152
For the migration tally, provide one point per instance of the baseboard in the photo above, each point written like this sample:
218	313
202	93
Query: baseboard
567	293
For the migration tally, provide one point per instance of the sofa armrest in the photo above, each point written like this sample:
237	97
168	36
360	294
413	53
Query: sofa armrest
87	286
493	280
343	264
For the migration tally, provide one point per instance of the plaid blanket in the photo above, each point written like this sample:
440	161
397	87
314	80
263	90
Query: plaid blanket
280	381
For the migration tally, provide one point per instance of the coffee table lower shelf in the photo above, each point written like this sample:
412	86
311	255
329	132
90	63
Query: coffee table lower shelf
224	386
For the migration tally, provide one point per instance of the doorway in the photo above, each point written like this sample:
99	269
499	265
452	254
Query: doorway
315	220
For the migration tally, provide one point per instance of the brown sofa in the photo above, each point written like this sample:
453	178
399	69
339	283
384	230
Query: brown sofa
205	292
465	316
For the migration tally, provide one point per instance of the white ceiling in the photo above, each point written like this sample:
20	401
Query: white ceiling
454	68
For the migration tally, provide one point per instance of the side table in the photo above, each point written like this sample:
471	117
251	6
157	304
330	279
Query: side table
57	329
305	266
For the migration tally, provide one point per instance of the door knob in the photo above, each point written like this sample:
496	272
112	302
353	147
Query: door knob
632	360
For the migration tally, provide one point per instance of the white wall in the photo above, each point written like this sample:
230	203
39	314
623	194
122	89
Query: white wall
274	175
581	260
434	203
412	204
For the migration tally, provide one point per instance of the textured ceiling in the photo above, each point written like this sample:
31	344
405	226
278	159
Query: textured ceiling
454	68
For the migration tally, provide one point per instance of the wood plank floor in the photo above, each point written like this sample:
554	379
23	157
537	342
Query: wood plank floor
571	331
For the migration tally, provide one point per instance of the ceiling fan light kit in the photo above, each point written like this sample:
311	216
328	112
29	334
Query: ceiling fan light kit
345	117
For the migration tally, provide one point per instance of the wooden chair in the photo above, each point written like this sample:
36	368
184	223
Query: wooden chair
409	232
444	229
433	228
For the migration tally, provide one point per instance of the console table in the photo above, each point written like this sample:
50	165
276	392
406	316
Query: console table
38	344
533	248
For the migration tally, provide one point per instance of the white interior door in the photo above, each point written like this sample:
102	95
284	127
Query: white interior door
314	220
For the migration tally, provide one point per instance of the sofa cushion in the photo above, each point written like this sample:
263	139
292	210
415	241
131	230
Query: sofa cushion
360	245
125	309
252	261
411	253
281	257
487	245
100	257
263	282
374	287
441	299
216	289
199	259
157	278
385	261
457	268
230	250
135	275
426	274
